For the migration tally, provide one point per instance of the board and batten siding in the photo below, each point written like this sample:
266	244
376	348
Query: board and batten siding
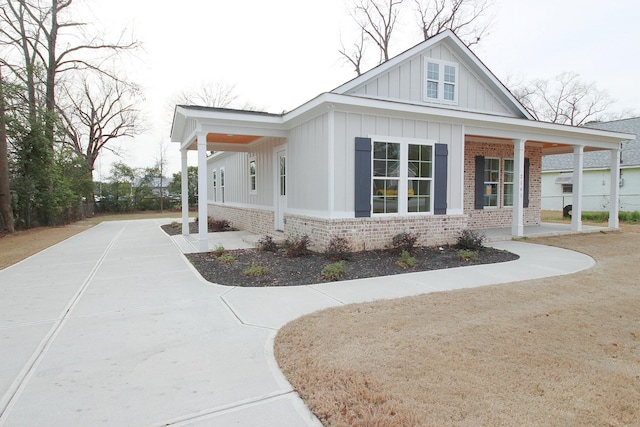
236	166
348	126
307	167
406	83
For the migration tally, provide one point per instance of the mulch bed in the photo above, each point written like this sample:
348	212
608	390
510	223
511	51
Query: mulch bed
306	270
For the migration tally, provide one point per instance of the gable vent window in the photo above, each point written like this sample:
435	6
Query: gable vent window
441	81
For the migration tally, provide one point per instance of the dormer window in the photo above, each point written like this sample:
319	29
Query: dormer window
441	83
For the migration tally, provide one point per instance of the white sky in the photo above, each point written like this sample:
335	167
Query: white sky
281	53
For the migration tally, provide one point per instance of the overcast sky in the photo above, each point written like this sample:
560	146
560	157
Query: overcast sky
281	53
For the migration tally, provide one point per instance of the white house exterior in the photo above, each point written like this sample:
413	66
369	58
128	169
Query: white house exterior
557	174
430	142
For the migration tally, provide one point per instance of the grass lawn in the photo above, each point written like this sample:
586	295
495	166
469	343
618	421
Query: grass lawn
22	244
561	351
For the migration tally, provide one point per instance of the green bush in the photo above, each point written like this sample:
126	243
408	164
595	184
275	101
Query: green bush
338	249
630	217
406	260
255	270
219	251
467	255
470	240
227	259
333	271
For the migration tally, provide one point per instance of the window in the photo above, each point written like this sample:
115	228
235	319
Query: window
507	199
386	177
491	181
567	188
222	185
252	176
215	184
441	82
402	168
420	173
283	175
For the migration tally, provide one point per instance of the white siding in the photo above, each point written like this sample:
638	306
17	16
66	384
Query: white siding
236	167
406	82
348	126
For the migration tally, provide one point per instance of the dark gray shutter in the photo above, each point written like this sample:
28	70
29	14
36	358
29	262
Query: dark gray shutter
525	201
479	202
440	177
363	178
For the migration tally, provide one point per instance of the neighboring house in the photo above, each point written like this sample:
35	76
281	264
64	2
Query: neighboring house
557	174
429	142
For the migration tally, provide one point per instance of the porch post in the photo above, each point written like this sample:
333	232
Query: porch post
185	194
517	227
576	211
614	194
203	240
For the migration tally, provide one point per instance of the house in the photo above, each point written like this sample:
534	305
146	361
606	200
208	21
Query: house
557	174
429	142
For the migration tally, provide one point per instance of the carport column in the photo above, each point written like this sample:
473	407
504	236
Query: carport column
517	227
203	241
185	194
614	196
576	210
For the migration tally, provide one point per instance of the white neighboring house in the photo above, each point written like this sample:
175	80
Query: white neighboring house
429	142
558	181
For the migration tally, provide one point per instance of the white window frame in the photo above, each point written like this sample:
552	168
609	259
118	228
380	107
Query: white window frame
497	184
441	81
253	178
403	178
215	184
222	185
512	183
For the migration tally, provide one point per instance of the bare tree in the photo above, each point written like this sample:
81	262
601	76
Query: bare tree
99	112
355	55
564	99
5	193
221	95
463	17
377	19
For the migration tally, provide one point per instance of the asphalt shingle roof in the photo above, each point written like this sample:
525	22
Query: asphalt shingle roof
602	159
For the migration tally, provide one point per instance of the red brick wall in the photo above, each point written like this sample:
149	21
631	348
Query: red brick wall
500	217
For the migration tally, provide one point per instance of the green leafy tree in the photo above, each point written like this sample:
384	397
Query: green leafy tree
175	188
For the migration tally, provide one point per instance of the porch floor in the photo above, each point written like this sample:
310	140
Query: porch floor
542	230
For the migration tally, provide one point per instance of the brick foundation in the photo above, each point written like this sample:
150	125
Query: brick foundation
376	232
256	221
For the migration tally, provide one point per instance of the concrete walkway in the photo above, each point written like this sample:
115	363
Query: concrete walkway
114	327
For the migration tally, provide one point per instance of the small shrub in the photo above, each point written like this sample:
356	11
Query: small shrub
227	259
403	242
338	249
333	271
630	217
467	255
470	240
176	225
267	244
216	225
219	250
406	260
255	270
297	248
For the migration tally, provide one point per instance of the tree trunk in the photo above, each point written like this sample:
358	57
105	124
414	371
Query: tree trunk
5	193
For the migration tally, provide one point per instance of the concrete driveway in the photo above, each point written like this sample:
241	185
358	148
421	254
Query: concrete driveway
114	327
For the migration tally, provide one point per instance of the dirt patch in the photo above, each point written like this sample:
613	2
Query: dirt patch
306	270
561	351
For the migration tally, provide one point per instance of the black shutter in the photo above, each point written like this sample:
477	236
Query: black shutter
525	202
479	203
363	178
440	177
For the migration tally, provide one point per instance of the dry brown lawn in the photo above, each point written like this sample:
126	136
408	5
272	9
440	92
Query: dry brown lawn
561	351
22	244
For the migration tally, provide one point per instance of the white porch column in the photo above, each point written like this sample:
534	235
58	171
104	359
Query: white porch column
203	240
614	194
517	226
185	194
576	211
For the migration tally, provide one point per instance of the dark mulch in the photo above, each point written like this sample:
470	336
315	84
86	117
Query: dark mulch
193	228
284	271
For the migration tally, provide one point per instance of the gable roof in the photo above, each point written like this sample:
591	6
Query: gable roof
461	50
630	155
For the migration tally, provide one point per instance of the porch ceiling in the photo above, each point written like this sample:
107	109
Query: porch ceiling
230	142
547	147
